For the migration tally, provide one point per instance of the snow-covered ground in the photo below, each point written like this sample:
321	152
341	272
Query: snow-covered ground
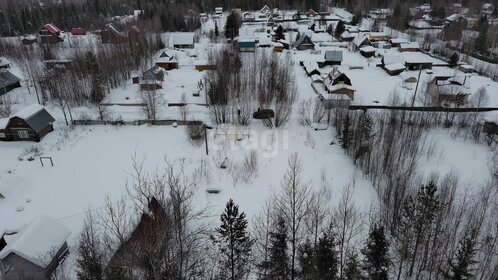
92	162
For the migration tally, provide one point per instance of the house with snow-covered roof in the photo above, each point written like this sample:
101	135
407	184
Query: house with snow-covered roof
360	42
29	124
339	84
50	34
167	60
8	81
183	40
304	42
35	251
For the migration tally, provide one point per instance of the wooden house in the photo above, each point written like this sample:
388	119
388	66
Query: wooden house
396	42
8	81
28	40
417	61
152	78
34	252
377	36
368	51
490	125
167	61
393	64
333	58
78	31
111	34
339	83
304	42
311	13
409	47
360	42
50	34
183	40
145	241
453	26
29	124
278	47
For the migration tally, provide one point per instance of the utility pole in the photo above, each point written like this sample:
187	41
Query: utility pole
416	87
205	118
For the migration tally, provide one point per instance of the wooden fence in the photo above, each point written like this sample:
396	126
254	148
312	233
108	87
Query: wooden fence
135	122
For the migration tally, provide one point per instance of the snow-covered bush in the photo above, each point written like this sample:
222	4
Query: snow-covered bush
195	132
32	151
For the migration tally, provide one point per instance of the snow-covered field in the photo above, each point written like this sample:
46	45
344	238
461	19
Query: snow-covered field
92	162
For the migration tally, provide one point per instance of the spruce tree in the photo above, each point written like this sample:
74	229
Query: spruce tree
346	133
352	270
306	260
233	243
376	254
454	58
232	26
339	29
96	76
216	32
279	259
326	258
89	262
279	33
460	268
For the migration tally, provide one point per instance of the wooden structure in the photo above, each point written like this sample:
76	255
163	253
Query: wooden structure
78	31
111	34
50	34
29	40
29	124
167	61
304	42
8	81
339	83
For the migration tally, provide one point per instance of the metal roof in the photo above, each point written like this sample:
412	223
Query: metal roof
7	79
333	55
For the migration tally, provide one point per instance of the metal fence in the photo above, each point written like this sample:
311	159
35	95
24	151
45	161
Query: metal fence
135	122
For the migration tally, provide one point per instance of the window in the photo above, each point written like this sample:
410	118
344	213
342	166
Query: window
23	134
2	135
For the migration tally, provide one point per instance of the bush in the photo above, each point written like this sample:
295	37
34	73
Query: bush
31	152
195	132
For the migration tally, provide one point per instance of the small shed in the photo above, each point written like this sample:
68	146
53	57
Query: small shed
78	31
278	47
368	51
50	34
183	40
416	62
394	69
8	81
333	58
29	124
35	251
396	42
409	47
28	40
247	44
304	43
466	68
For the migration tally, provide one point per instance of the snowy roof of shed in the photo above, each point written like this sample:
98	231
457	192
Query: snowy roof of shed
38	242
183	38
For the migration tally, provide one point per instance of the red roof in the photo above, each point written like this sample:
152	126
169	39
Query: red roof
52	28
78	31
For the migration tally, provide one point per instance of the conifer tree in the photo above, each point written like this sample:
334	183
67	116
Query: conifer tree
216	32
326	258
376	255
97	78
279	33
454	58
460	268
279	258
305	260
89	263
232	26
339	29
233	243
352	271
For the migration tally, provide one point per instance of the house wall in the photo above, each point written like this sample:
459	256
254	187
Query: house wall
345	91
17	124
22	269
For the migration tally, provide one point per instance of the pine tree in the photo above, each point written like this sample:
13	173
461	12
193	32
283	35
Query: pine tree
278	265
97	78
481	43
233	242
460	268
376	254
326	258
306	260
279	33
216	32
339	29
232	26
89	263
352	271
454	58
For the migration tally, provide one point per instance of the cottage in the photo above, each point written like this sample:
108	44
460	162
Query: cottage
77	31
409	47
347	36
339	83
377	36
246	41
111	34
368	51
417	61
361	41
183	40
265	10
311	13
394	69
333	58
35	251
149	232
453	27
312	68
167	61
396	42
278	47
218	11
466	68
29	124
8	81
316	79
152	78
4	63
50	34
304	42
28	40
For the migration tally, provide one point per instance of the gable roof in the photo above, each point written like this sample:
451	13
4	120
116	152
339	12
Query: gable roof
37	241
157	72
333	55
302	39
51	28
183	38
35	116
7	78
360	40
